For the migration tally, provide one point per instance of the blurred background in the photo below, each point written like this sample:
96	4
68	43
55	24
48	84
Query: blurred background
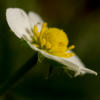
80	19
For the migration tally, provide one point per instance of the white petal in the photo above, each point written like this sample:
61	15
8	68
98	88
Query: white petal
34	19
18	22
82	69
73	63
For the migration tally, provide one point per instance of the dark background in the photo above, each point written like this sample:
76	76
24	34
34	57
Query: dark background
80	19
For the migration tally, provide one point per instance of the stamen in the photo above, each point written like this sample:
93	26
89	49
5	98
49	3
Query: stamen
43	42
35	28
67	55
71	47
36	34
44	27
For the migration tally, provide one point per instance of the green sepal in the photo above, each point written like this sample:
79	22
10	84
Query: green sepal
40	57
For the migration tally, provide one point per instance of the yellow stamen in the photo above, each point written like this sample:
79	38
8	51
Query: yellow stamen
71	47
44	27
36	34
43	43
53	41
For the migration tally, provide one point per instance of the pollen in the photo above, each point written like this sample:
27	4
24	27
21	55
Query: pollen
52	40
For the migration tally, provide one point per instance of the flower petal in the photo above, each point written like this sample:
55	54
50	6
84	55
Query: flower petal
18	22
35	19
82	69
73	63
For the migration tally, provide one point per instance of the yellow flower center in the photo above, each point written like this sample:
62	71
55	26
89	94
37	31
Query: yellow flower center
52	40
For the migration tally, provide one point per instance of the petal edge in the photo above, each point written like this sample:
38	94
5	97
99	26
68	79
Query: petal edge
18	22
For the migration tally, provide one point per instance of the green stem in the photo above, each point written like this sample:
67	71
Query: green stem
19	74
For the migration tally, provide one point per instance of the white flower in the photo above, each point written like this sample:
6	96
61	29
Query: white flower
50	42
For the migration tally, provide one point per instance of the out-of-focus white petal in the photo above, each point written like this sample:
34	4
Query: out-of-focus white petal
18	22
34	19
